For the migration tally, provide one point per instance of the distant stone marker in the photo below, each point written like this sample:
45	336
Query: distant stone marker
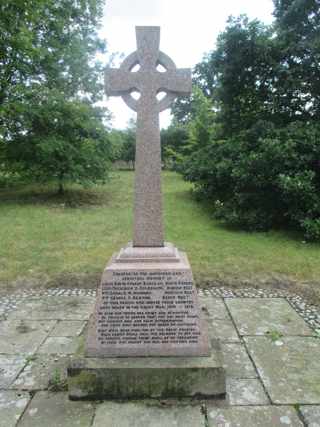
148	81
147	303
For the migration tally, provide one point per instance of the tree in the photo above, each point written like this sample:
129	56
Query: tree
128	148
201	127
259	183
257	163
116	137
65	142
48	72
297	27
52	43
239	75
174	142
124	143
195	129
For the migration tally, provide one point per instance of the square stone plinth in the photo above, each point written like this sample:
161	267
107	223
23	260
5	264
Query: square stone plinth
147	377
147	307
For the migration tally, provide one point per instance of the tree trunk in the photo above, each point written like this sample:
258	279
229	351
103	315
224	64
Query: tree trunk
61	188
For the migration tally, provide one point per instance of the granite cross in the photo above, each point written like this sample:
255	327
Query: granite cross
149	82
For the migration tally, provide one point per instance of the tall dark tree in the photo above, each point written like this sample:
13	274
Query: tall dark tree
259	166
239	75
298	73
51	42
174	145
66	142
124	143
48	71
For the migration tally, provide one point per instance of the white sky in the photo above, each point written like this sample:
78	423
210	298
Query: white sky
189	29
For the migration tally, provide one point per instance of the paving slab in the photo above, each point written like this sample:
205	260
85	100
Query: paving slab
23	336
56	410
289	368
55	308
236	361
246	392
254	316
59	345
110	414
10	366
311	415
68	328
253	416
12	405
223	330
215	308
41	370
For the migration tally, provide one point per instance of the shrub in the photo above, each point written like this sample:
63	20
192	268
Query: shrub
265	177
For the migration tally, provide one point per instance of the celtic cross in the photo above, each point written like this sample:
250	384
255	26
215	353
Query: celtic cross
149	82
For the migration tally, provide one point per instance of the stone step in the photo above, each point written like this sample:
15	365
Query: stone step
147	377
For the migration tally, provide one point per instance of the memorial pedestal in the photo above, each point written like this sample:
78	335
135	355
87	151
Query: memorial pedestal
146	337
147	306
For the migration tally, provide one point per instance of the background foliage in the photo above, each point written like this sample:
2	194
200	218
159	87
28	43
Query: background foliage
255	132
49	82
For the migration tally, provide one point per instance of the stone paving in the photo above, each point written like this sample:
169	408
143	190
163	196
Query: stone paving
270	342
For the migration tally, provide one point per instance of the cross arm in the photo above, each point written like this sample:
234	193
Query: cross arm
119	82
176	81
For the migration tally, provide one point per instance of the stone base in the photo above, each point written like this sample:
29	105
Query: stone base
165	254
147	305
147	377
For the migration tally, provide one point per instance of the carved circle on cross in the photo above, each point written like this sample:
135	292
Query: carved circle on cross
166	62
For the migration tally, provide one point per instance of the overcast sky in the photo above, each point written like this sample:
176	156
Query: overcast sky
189	29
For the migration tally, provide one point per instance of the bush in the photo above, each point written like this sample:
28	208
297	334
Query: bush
264	178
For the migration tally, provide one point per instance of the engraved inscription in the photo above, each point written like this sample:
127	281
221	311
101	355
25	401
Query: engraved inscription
155	307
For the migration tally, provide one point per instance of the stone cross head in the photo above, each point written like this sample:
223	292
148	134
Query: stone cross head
148	81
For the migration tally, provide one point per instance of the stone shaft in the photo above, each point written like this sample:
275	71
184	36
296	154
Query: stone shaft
148	227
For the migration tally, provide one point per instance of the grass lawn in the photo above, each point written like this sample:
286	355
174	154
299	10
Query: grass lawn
48	239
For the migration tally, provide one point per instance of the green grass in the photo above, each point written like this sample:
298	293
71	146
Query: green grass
45	238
